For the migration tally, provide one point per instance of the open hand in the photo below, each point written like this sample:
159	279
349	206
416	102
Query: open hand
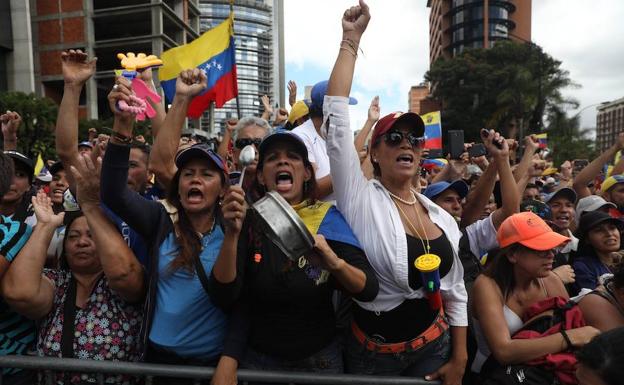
354	21
42	204
292	92
87	177
77	69
373	110
266	103
132	62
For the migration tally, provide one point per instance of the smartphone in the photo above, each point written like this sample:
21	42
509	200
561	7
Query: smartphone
580	164
477	150
456	143
435	153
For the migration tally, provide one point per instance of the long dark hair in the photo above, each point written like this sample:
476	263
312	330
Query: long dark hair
605	356
502	271
188	240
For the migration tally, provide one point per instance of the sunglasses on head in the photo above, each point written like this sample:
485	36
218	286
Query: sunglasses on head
394	138
242	143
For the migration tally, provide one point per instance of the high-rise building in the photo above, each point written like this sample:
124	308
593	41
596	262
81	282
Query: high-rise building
103	28
609	123
455	25
16	53
258	36
420	101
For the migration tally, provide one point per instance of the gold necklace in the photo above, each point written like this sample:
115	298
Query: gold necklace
426	248
409	203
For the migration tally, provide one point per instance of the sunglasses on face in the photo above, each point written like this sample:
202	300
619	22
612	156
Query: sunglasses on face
394	139
242	143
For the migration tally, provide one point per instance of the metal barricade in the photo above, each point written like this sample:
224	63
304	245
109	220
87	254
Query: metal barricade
149	371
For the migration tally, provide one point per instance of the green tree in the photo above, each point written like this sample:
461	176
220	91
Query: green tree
36	135
566	139
501	88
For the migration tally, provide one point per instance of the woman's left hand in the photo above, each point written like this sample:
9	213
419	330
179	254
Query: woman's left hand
322	255
450	373
42	204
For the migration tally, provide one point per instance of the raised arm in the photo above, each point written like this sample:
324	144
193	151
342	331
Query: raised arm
189	83
11	122
77	69
224	146
511	196
479	195
593	169
373	117
24	287
124	272
267	114
531	144
292	92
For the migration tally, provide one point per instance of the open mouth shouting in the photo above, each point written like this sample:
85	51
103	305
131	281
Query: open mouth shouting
405	160
284	181
194	196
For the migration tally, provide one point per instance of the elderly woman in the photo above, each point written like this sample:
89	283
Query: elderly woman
399	332
182	325
519	277
91	307
599	240
291	318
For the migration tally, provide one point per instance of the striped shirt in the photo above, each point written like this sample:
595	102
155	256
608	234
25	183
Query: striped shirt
17	333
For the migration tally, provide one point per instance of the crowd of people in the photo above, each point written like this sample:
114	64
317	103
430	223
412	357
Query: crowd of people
128	251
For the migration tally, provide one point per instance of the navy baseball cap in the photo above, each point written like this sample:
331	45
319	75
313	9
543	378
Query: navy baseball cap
200	150
19	158
317	95
565	192
282	136
86	143
435	189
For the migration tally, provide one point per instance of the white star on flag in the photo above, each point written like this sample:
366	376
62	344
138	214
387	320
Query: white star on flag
219	66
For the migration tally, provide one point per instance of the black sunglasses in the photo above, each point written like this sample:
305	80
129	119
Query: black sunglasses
242	143
394	138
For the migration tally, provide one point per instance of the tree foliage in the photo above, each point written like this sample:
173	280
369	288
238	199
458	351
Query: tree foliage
566	139
497	88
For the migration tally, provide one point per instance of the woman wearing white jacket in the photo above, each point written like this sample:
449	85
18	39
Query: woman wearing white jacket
398	333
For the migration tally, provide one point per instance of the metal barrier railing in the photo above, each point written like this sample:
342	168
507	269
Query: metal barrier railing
149	371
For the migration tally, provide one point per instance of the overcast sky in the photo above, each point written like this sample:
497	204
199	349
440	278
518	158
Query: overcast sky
586	35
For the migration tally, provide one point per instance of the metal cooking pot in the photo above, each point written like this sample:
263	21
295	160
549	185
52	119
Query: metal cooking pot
283	226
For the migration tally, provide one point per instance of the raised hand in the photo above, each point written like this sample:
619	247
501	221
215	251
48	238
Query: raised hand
281	117
292	92
266	103
234	209
42	204
190	83
122	90
11	121
354	21
133	62
77	69
373	110
87	176
92	134
496	145
531	143
230	125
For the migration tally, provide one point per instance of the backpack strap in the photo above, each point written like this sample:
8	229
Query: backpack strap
608	295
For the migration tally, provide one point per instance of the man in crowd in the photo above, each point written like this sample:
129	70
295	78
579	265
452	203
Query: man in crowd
16	202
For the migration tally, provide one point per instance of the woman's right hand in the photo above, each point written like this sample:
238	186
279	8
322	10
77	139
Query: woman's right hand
581	336
234	209
565	273
42	204
354	22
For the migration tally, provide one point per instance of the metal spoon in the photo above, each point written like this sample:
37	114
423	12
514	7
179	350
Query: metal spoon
246	157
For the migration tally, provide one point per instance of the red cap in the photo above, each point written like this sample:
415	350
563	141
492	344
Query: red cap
385	124
529	230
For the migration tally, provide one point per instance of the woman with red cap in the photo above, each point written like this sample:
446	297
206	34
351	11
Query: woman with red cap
400	332
518	278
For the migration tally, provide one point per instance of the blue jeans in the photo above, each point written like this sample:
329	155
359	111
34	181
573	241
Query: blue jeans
327	360
417	363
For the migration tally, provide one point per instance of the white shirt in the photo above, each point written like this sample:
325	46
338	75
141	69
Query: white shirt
482	236
317	150
375	220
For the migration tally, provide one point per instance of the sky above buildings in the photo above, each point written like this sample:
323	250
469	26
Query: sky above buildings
586	35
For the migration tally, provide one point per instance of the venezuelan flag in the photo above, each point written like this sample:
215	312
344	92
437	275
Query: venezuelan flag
214	53
433	130
38	165
543	140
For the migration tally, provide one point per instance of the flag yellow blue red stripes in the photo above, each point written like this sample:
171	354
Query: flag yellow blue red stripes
543	140
214	53
433	130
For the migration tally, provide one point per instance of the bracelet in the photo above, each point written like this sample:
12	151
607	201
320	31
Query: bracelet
355	46
123	139
566	339
351	52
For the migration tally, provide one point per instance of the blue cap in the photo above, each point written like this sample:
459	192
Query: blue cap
86	143
435	189
200	150
317	95
282	136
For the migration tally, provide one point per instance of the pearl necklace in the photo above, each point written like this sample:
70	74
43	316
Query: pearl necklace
409	203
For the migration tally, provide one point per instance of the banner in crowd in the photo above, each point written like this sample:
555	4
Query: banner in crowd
543	140
214	53
433	130
38	165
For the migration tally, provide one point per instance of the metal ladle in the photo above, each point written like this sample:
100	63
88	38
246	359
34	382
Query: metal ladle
246	157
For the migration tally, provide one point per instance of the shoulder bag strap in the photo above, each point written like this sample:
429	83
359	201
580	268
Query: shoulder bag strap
201	272
69	319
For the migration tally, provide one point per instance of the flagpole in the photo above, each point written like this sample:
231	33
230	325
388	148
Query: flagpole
238	113
211	121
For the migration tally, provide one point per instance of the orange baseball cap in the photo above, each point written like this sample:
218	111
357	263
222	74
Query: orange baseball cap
529	230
